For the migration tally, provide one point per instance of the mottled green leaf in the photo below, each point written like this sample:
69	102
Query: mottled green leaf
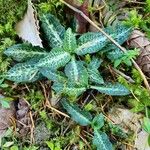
54	31
80	116
73	90
68	89
95	63
90	43
69	43
23	72
95	76
93	72
55	59
76	72
53	74
23	52
101	141
120	33
112	89
58	87
98	121
115	54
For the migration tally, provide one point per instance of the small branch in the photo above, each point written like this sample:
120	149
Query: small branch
57	111
85	141
32	128
110	38
123	75
48	105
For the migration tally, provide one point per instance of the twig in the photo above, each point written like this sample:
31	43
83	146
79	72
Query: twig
85	141
32	127
128	144
48	105
87	98
110	38
89	134
59	112
103	111
123	75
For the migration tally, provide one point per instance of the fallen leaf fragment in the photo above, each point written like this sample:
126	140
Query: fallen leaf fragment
28	28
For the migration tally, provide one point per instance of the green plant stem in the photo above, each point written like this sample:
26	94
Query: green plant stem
146	112
110	38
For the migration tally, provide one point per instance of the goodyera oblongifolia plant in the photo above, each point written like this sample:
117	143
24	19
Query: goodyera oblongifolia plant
64	63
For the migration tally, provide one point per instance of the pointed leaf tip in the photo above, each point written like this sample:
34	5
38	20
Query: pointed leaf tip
112	89
101	141
80	116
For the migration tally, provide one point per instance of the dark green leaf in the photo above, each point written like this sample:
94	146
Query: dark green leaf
115	54
69	43
69	89
112	89
90	43
95	76
58	87
98	121
120	33
53	74
23	52
53	30
80	116
101	141
23	72
55	59
95	63
76	72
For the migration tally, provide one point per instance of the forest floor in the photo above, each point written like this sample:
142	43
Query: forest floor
75	75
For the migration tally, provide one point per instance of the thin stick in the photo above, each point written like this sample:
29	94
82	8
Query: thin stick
123	75
59	112
85	141
48	105
110	38
32	128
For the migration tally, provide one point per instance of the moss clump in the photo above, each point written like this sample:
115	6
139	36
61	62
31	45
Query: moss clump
11	11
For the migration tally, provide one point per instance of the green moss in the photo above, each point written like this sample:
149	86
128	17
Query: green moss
11	11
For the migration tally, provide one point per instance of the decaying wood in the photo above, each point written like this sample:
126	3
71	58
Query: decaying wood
138	40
